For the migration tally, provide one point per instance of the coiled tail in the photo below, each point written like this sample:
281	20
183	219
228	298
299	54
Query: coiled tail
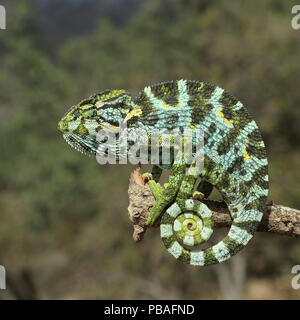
188	223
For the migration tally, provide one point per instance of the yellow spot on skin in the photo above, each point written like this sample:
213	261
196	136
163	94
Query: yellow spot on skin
167	106
99	104
133	113
111	94
114	128
82	129
110	128
245	154
221	115
63	126
201	86
85	106
239	207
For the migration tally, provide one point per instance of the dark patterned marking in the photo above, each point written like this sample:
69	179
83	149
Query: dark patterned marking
149	113
222	132
236	164
243	172
172	101
255	136
249	226
76	113
233	246
258	176
212	144
167	219
210	165
258	204
228	100
132	121
206	138
168	241
172	121
224	182
212	128
199	112
199	94
90	100
256	151
241	119
120	95
228	113
209	257
201	89
243	188
165	90
81	130
185	257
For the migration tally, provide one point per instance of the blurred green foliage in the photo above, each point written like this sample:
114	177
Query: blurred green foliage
64	230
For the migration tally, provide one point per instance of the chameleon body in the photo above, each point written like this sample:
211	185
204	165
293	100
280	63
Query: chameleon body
235	160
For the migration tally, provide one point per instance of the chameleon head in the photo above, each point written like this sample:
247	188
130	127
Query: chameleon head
102	111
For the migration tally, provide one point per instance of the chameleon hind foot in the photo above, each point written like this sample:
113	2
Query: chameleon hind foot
205	188
197	195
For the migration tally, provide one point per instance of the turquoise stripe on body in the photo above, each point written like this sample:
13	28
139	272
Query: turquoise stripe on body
238	106
227	159
239	235
183	92
251	165
221	252
249	215
181	112
210	119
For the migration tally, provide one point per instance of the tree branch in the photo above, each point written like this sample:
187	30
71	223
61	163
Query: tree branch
276	219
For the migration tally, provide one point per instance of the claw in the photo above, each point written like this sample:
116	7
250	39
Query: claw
147	176
198	195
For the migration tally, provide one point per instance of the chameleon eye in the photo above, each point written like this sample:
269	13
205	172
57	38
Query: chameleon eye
89	113
76	113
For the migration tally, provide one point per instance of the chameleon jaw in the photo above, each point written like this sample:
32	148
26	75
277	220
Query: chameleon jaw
78	145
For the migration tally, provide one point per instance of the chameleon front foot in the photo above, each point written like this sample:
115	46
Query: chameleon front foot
157	191
155	188
147	176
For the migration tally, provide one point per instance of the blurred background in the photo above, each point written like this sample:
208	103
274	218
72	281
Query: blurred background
64	230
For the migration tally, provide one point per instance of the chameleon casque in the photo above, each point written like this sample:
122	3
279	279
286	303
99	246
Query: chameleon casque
235	160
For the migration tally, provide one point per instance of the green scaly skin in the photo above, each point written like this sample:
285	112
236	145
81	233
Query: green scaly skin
235	160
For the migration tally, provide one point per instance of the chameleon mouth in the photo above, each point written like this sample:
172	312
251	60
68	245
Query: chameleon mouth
79	144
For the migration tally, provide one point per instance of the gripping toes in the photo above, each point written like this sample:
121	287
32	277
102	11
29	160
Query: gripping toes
147	176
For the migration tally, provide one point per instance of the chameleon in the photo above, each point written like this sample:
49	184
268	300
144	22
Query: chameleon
235	160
